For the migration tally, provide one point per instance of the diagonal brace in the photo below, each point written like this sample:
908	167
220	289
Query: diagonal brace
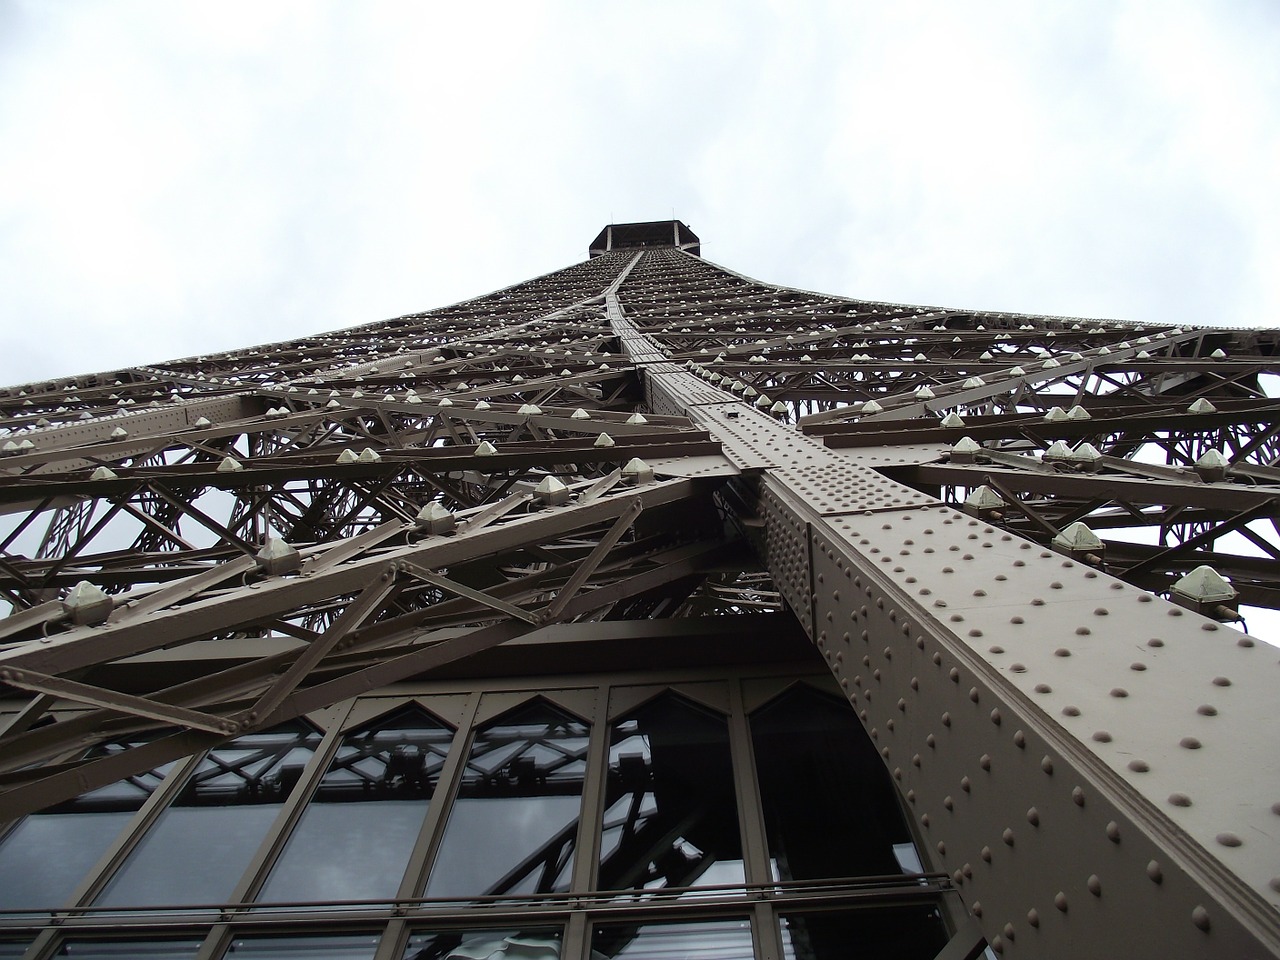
593	560
356	613
462	590
113	700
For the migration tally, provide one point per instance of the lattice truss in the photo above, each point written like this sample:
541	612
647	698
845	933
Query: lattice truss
359	507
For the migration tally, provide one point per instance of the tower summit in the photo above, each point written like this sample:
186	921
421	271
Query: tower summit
644	608
655	233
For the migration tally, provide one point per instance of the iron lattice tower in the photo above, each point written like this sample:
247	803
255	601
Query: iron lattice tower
976	518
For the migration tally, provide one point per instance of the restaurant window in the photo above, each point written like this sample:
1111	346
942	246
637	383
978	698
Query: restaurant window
358	830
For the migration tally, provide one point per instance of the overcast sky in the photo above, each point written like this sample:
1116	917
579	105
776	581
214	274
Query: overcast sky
178	178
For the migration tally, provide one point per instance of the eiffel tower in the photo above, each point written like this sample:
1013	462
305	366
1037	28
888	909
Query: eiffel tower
647	607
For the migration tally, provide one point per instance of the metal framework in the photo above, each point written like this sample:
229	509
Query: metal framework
993	527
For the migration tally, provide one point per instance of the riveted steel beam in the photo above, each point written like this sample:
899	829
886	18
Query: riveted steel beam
1032	710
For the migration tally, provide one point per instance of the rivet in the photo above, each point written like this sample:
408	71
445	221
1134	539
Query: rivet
1119	692
1033	918
915	683
1083	631
1017	668
1070	711
1275	808
967	870
1138	666
1101	612
1043	688
946	719
1200	917
1179	800
897	773
976	909
1221	682
1207	710
1113	832
1062	652
965	785
924	819
958	878
1033	817
997	943
1019	739
902	705
985	761
954	674
1229	839
1095	885
1189	743
915	760
1154	873
1060	901
1139	766
1007	836
1155	642
1077	797
911	796
884	752
930	741
948	802
995	717
1016	620
986	854
1056	585
937	659
974	694
942	848
1046	764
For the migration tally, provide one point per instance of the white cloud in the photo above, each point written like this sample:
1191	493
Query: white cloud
184	178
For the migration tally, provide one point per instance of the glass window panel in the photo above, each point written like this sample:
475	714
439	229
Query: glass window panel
513	827
904	933
13	949
535	944
355	837
44	858
830	808
710	940
671	818
129	949
217	821
346	946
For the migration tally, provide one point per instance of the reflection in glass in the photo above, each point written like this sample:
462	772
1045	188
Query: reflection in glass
344	946
217	821
904	933
535	944
830	809
671	819
355	837
13	949
44	857
711	940
514	824
129	949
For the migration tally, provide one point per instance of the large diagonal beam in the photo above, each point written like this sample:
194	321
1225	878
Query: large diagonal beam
974	658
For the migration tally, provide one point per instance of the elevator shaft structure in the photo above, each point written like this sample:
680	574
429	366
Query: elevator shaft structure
1026	548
